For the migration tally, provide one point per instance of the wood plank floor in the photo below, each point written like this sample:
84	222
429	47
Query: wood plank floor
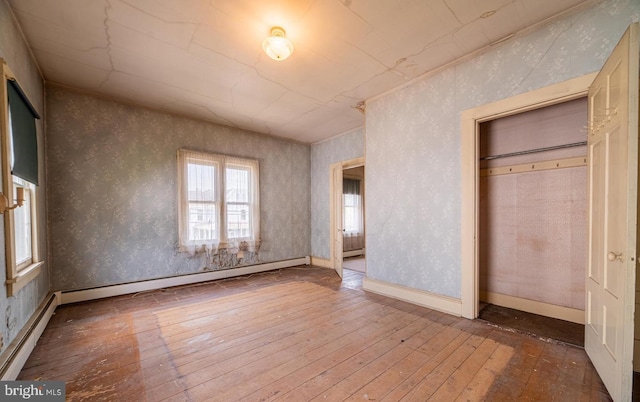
297	334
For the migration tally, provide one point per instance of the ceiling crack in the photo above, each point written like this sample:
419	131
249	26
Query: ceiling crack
197	105
108	47
446	4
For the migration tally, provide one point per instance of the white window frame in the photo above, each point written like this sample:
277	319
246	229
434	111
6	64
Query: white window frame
216	202
18	275
222	162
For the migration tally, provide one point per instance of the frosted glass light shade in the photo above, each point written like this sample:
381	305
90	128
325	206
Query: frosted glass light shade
277	46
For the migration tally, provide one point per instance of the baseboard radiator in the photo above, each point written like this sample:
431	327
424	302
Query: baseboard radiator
15	356
353	253
76	296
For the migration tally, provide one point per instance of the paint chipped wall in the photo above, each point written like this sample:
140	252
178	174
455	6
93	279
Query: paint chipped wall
15	311
413	141
113	197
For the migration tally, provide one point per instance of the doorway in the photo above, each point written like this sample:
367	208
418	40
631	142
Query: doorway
470	171
532	220
337	227
353	229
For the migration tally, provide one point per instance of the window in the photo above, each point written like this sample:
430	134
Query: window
23	217
353	214
202	199
218	202
19	171
237	189
352	201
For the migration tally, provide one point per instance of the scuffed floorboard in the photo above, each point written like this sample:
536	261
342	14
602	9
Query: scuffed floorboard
296	334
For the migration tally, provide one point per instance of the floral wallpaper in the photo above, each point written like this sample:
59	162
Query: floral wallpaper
342	148
15	311
413	141
113	198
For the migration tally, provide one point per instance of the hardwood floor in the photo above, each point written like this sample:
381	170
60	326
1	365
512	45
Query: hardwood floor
296	334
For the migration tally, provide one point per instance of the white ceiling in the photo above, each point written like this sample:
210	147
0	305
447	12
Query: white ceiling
204	58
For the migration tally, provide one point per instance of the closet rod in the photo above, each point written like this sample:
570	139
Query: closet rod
533	151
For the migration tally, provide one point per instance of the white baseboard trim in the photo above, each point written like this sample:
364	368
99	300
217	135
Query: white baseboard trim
13	359
535	307
352	253
154	284
321	262
433	301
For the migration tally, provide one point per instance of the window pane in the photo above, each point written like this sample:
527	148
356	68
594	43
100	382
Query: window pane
238	221
202	221
351	212
350	200
350	222
237	185
203	218
22	222
201	182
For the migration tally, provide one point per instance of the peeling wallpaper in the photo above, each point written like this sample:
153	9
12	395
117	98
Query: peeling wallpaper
413	141
342	148
15	311
113	197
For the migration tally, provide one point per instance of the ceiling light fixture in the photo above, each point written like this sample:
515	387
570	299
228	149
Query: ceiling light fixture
277	46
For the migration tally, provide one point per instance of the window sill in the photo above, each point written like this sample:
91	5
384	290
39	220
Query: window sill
23	277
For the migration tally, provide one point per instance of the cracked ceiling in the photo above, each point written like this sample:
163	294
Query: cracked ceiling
204	58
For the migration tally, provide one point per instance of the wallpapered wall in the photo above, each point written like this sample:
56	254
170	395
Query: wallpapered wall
113	199
16	310
413	141
342	148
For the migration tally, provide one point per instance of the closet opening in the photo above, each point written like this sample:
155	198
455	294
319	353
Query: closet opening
532	220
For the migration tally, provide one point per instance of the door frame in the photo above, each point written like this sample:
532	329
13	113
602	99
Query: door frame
335	209
470	171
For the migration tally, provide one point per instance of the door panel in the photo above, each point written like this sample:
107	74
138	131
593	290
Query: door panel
613	190
597	157
336	216
616	215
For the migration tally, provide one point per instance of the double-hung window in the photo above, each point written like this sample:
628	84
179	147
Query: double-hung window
353	214
19	146
203	200
218	202
23	225
238	178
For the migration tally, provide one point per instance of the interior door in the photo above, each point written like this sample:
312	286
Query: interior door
613	193
336	216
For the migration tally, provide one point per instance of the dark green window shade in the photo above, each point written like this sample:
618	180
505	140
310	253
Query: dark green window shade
25	140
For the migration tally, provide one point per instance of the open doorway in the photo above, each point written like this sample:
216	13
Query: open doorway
353	229
470	171
337	227
532	213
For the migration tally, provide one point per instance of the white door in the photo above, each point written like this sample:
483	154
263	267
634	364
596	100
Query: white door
336	213
613	193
